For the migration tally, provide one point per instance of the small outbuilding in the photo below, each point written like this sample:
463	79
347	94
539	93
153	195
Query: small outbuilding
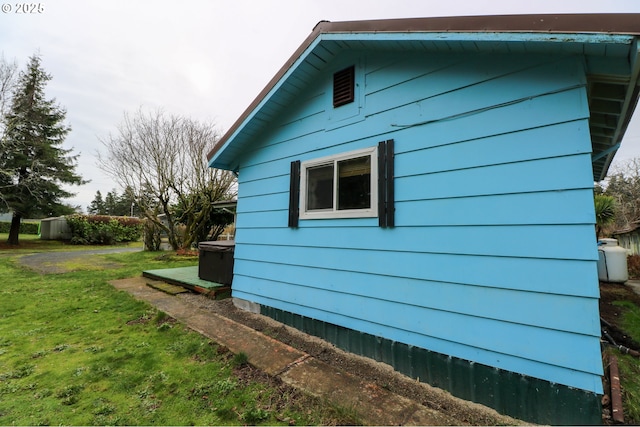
420	191
55	228
629	238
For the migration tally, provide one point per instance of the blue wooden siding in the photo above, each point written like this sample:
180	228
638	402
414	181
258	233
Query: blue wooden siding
492	258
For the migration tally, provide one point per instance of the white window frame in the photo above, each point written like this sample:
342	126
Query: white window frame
370	212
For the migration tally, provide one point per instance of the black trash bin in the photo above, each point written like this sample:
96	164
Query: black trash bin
215	262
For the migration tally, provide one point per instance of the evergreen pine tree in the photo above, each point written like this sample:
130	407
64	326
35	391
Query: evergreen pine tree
110	203
97	205
125	203
33	163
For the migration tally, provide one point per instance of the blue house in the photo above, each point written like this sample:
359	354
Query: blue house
420	191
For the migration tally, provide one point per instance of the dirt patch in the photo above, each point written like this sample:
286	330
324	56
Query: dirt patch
612	314
66	264
287	396
383	375
139	321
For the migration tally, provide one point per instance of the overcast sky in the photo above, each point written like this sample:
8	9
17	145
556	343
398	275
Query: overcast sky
206	59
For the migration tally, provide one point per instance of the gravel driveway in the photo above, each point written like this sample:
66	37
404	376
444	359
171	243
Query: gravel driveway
57	262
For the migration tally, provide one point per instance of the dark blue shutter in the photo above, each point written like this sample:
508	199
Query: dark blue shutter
294	194
386	208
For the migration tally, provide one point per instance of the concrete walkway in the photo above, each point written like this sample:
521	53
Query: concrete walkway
375	405
634	284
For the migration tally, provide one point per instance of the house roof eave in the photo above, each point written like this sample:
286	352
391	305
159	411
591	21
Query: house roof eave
534	28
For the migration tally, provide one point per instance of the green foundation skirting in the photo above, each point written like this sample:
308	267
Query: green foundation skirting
519	396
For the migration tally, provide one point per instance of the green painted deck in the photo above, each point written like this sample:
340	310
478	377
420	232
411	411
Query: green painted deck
187	277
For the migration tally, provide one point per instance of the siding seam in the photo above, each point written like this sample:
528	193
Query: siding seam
488	108
494	135
490	165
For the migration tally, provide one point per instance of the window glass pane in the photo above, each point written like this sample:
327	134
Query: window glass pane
354	183
320	187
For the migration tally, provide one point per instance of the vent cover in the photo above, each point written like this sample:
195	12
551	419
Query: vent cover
343	86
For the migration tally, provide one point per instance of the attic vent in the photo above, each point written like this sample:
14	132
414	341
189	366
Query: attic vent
343	86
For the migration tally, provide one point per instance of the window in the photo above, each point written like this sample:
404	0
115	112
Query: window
342	186
357	184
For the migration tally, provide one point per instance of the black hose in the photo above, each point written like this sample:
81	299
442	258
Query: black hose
607	324
609	337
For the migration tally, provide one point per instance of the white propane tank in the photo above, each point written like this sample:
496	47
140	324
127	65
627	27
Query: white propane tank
612	261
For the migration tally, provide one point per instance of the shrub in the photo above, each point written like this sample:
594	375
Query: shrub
103	230
152	236
25	227
633	265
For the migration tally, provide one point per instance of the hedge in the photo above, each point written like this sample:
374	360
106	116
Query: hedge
25	227
103	230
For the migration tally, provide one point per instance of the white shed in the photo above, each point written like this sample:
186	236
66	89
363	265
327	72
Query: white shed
55	229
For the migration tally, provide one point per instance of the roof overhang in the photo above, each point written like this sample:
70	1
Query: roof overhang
609	43
225	204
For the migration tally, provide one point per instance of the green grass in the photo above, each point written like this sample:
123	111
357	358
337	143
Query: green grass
5	236
75	351
630	319
32	243
629	366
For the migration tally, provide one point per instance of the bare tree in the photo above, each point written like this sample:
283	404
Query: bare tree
8	81
623	184
162	159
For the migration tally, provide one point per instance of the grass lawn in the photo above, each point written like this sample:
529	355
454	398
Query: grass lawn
621	308
629	366
75	351
32	243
